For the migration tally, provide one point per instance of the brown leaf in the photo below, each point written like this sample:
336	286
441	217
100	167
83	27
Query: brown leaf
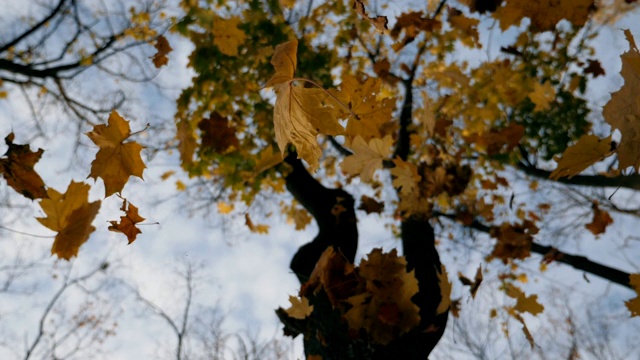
389	291
380	22
370	205
601	219
160	58
544	14
127	224
634	304
412	23
116	160
217	134
594	68
17	169
514	241
473	284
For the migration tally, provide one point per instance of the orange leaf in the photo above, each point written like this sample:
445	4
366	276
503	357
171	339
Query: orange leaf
116	160
127	224
70	214
601	219
17	169
160	58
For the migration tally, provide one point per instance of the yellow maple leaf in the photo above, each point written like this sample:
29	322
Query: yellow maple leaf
300	113
116	160
634	304
224	208
587	151
70	214
127	224
299	308
368	115
524	303
406	176
17	169
622	112
367	158
542	95
227	36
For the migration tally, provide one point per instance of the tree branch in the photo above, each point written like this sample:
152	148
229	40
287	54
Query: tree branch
626	181
577	262
33	28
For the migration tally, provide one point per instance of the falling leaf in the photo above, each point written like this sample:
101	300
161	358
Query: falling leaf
224	208
259	229
542	95
160	58
497	141
300	113
127	224
227	36
587	151
594	68
380	22
186	142
634	304
544	14
70	214
622	112
367	158
601	219
524	303
335	275
17	168
406	176
514	241
385	310
116	160
412	23
217	134
445	291
299	308
475	284
368	115
370	205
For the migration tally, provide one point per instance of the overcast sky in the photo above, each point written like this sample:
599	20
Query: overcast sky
246	276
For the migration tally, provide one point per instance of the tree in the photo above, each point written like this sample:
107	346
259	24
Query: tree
455	139
505	143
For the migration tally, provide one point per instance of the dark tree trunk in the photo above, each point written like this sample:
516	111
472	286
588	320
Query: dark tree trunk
333	210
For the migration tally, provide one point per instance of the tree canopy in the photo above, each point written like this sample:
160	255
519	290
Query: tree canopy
448	119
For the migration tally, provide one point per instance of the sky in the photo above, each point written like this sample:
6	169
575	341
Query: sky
242	275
